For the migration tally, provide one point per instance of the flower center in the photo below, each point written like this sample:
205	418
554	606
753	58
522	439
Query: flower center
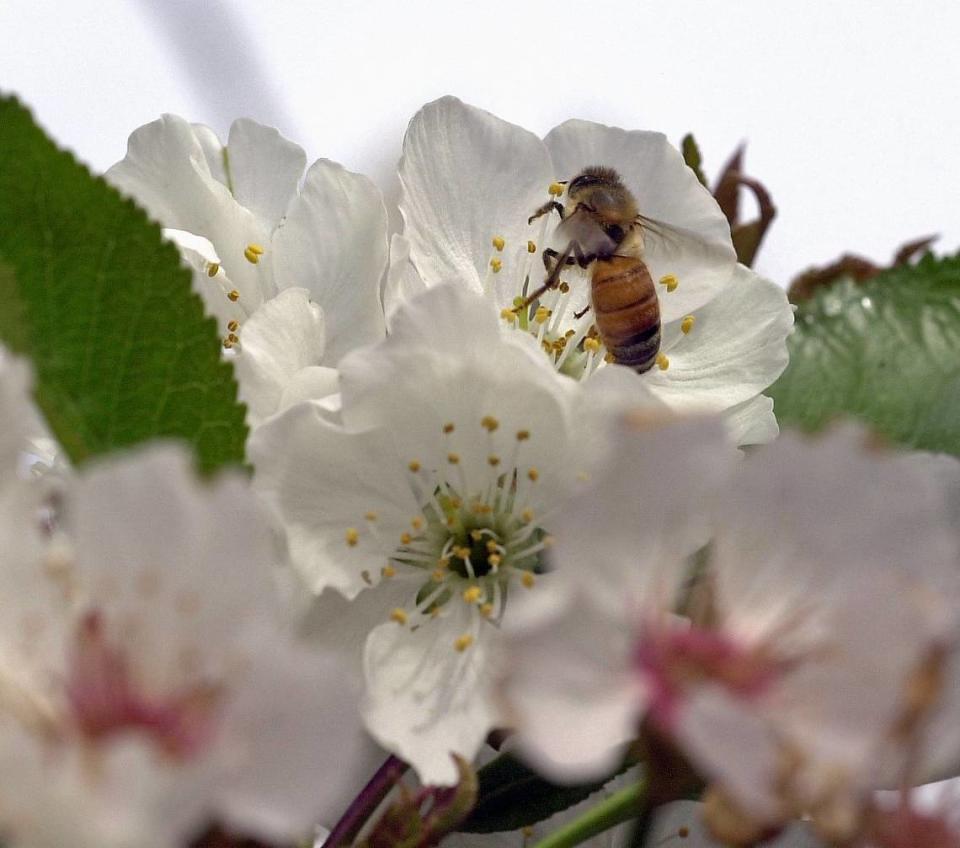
562	319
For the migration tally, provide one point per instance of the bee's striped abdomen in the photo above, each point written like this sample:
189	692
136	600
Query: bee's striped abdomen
627	311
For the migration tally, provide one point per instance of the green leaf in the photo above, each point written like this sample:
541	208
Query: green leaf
691	155
512	796
120	345
885	352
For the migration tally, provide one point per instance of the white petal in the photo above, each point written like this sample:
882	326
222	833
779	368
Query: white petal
425	699
467	176
197	250
752	422
403	282
700	254
571	694
284	336
322	481
316	382
213	152
736	348
264	169
334	243
300	758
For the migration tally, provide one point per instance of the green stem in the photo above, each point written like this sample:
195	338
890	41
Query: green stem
620	807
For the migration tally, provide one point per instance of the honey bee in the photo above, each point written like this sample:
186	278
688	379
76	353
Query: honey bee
605	229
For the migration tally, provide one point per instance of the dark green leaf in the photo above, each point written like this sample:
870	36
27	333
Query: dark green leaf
120	345
512	796
691	155
886	352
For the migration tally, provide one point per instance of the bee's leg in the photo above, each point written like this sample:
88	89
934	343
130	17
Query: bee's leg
553	277
549	206
550	257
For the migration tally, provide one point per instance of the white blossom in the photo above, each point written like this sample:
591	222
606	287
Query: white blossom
289	264
428	501
141	652
785	675
469	183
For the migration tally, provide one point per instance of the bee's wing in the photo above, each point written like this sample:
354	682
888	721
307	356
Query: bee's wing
583	228
670	239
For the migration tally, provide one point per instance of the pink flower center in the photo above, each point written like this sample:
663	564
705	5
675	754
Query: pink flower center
673	660
105	700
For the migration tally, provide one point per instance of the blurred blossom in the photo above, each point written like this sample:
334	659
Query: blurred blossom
289	264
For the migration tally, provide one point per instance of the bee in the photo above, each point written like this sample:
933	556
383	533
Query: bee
605	229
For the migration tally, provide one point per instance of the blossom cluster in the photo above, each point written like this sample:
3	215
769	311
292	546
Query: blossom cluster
467	516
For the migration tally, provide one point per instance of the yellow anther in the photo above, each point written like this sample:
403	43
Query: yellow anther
352	536
255	248
453	458
398	615
547	541
252	253
541	314
405	538
233	338
493	460
416	522
414	466
531	247
593	345
498	242
213	269
438	575
686	325
663	362
233	326
508	315
486	610
233	295
461	643
461	552
564	288
492	546
494	560
476	535
670	281
448	427
533	474
443	562
489	423
528	579
472	595
388	571
227	344
370	516
555	189
527	515
523	435
496	265
609	357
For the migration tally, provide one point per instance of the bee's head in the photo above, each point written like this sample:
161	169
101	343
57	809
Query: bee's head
602	190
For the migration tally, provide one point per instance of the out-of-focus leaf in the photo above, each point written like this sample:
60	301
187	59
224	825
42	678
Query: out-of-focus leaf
885	352
914	248
691	155
726	191
119	342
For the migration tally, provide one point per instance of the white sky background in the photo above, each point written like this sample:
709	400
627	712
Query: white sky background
850	108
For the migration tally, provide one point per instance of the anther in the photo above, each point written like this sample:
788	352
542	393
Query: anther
461	643
527	515
213	269
388	571
227	344
523	435
398	615
541	314
564	288
486	610
533	474
555	189
508	315
498	242
491	546
370	516
528	579
663	362
496	265
252	253
531	247
461	552
476	535
489	423
494	560
472	594
609	357
405	538
670	281
414	466
686	325
233	338
493	460
416	522
453	458
233	326
438	575
352	536
593	345
448	427
233	295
